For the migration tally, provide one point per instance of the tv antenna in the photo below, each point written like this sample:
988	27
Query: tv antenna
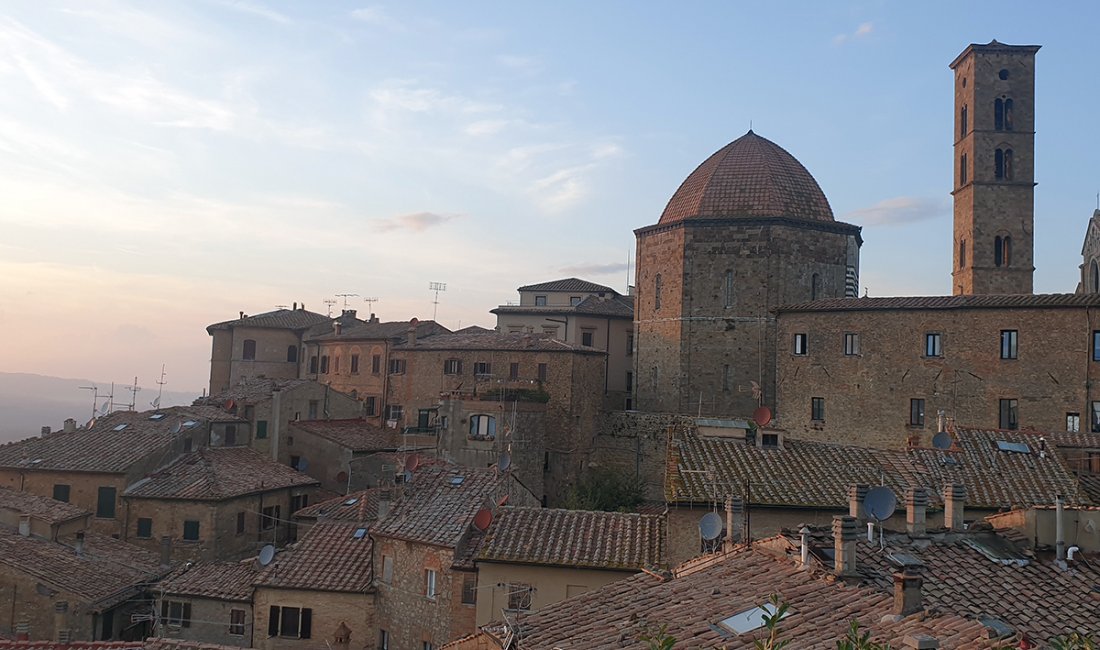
329	302
370	303
134	390
95	397
160	388
345	296
436	287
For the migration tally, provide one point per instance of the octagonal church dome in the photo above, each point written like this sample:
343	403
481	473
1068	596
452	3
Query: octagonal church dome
750	177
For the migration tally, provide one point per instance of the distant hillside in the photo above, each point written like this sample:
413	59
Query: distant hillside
29	402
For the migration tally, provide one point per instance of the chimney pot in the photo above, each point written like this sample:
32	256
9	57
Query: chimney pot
241	315
804	543
916	508
920	642
69	426
845	534
337	326
295	305
165	552
954	500
907	593
1059	530
856	494
737	512
25	525
45	431
80	542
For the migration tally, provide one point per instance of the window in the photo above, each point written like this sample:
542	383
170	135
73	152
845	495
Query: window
236	622
313	365
324	364
290	622
230	435
963	122
629	380
629	344
336	365
394	412
1002	250
61	492
1073	422
1095	347
962	253
1009	418
105	503
1095	424
355	364
240	523
397	366
483	368
298	501
269	517
376	364
815	286
469	589
586	338
542	372
916	412
261	429
311	411
574	301
726	377
519	596
452	367
513	371
372	405
999	114
933	344
727	290
999	164
176	613
191	530
1008	165
429	583
1008	344
657	293
851	344
292	354
483	427
799	344
1003	74
383	640
540	301
249	351
962	170
387	569
817	409
144	527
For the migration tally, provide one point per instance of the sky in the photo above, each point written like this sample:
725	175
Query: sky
166	165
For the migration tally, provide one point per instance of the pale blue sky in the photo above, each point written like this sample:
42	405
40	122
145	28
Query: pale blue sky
164	165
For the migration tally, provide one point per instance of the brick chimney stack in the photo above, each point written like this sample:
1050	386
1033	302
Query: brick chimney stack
856	494
907	592
916	508
845	534
954	498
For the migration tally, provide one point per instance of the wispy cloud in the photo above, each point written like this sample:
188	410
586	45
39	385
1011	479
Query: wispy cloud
416	222
595	269
899	210
864	30
256	9
379	17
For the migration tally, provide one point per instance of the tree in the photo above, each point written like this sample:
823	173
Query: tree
609	491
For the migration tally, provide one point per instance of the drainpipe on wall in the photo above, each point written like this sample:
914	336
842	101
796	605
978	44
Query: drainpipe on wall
275	430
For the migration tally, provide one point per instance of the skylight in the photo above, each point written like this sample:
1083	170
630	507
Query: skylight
351	502
1014	447
750	619
120	427
156	416
190	423
360	533
457	480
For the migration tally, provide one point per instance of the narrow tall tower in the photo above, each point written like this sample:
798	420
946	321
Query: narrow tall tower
994	181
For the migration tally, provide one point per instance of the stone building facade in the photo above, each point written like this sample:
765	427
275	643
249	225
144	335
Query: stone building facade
1090	257
747	231
994	179
209	602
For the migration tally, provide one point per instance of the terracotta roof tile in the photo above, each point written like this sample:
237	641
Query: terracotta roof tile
221	580
43	508
333	556
216	473
359	435
361	506
292	319
615	307
569	284
181	644
492	340
985	301
7	644
367	330
578	538
252	389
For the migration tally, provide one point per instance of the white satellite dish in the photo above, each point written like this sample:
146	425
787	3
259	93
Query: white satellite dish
177	427
504	462
155	403
880	503
91	423
942	440
106	407
710	526
267	554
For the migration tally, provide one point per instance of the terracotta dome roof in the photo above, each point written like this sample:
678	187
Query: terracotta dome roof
749	177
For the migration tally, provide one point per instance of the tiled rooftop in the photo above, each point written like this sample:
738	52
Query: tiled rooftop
359	435
569	284
615	307
216	473
7	644
114	443
107	572
366	330
494	341
333	556
749	177
43	508
293	319
707	590
439	504
961	576
220	580
361	506
575	538
251	390
986	301
818	475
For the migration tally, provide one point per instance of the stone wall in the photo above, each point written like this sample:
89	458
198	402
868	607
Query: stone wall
210	620
330	609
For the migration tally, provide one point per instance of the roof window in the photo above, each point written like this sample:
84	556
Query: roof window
359	533
190	424
457	480
156	416
1013	447
352	501
119	427
750	619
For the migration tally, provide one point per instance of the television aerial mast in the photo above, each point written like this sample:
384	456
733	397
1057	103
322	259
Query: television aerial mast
160	388
436	287
134	390
345	296
95	397
329	302
370	304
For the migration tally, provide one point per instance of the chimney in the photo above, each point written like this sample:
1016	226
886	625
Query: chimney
337	326
921	642
241	315
348	314
295	305
79	542
856	494
373	318
70	426
845	534
907	592
954	499
916	508
1059	530
45	431
804	542
738	515
383	505
728	543
25	525
165	552
412	331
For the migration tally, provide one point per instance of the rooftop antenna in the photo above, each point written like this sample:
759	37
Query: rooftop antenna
95	397
370	304
110	404
345	296
436	287
160	388
329	302
134	390
282	306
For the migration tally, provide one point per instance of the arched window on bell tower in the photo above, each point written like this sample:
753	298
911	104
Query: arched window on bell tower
1008	164
998	259
815	287
964	124
1008	114
1095	275
999	114
999	164
962	253
1006	250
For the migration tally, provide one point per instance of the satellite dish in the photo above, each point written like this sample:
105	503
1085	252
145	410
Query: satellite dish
710	526
502	500
504	462
303	464
177	427
91	423
483	518
155	403
267	554
762	416
880	503
229	404
412	462
408	477
106	407
942	440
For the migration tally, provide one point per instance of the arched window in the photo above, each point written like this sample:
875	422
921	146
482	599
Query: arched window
815	287
964	123
292	354
1006	250
483	427
999	114
1095	287
657	292
1008	114
249	351
999	164
962	253
962	170
727	297
1008	164
998	259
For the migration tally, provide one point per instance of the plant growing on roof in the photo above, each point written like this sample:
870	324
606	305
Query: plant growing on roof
657	638
1075	641
771	624
609	491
